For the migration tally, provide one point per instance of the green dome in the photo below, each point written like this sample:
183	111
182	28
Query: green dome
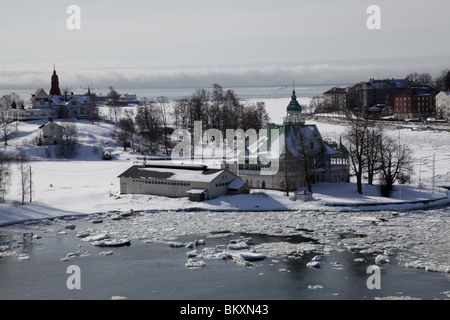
294	105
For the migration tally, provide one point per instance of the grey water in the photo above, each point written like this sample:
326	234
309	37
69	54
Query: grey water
243	92
155	271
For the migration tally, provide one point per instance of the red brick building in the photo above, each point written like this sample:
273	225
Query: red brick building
416	102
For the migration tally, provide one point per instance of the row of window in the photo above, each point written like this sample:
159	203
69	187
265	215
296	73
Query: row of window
407	104
419	109
409	98
222	184
167	183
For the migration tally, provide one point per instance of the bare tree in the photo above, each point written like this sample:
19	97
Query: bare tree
70	139
394	161
92	110
113	103
356	137
181	113
372	156
316	103
7	129
148	120
198	108
127	130
163	104
24	176
5	174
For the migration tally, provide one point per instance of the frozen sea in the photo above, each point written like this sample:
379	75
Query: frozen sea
153	270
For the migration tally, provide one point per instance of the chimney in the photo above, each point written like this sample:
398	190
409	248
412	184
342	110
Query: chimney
65	95
50	119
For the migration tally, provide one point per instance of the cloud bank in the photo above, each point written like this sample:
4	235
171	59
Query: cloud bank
192	77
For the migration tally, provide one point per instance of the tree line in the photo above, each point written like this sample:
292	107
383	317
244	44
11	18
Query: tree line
148	128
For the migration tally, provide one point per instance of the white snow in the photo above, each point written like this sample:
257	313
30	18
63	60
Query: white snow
87	185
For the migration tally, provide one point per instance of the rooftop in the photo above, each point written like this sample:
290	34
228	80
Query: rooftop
294	105
198	173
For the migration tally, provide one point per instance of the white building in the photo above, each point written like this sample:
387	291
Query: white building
50	133
443	105
197	182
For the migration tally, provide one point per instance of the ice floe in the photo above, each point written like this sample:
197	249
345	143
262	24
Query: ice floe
193	264
111	242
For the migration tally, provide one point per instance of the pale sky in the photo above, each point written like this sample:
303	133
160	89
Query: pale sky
140	44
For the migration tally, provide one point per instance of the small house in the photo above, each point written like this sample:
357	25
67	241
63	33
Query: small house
50	133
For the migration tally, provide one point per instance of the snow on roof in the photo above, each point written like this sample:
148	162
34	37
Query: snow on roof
236	184
389	83
336	90
293	138
173	173
330	151
48	122
197	191
61	100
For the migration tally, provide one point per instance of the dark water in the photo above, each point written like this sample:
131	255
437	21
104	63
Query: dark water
154	271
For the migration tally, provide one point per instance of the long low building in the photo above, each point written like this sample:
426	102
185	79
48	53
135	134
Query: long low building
197	182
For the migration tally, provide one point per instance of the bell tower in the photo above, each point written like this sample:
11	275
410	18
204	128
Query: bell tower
294	111
55	84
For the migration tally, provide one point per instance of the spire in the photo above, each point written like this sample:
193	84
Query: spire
54	90
294	105
294	110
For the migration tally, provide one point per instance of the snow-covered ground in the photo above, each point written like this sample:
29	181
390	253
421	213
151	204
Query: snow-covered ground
88	185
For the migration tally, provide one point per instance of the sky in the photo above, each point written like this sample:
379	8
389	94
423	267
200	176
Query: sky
180	43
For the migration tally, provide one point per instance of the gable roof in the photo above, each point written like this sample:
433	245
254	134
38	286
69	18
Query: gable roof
50	120
199	173
40	93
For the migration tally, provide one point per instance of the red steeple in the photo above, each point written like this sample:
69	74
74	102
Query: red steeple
55	84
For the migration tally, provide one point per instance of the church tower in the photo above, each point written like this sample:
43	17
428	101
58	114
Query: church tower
294	111
55	84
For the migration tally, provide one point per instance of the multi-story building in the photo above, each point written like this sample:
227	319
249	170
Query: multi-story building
375	93
335	99
417	102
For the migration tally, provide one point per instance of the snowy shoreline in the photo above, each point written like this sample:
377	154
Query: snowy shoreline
328	197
